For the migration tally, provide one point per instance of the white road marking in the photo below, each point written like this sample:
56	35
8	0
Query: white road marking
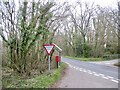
94	73
90	72
74	67
115	81
77	68
110	77
102	75
80	69
105	77
70	65
84	70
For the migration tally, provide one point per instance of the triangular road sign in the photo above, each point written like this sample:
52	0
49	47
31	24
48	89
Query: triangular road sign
49	48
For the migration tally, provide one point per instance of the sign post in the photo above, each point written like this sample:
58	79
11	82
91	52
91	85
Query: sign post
49	62
49	48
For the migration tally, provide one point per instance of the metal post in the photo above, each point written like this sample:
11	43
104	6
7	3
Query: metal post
49	62
57	64
59	58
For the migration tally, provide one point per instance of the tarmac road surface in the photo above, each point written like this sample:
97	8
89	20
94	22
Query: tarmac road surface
88	75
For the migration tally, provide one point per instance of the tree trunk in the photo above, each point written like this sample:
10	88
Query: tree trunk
84	41
119	27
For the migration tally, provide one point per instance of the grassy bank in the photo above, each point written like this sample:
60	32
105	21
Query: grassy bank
117	64
43	81
85	59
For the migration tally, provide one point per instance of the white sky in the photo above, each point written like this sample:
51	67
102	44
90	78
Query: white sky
102	3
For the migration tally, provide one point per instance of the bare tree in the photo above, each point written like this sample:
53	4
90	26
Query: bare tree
25	31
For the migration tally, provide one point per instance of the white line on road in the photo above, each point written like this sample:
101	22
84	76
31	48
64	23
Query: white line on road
77	68
84	70
110	77
115	81
102	75
80	69
105	77
94	73
90	72
74	67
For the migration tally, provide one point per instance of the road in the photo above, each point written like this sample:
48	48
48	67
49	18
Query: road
88	75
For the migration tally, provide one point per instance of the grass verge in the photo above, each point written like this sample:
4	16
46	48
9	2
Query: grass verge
117	64
45	80
85	59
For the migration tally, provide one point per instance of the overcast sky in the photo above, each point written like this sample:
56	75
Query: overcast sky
103	3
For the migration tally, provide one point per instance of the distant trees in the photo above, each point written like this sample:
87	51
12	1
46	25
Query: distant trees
90	31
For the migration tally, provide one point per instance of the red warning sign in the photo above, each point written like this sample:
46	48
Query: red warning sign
49	48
